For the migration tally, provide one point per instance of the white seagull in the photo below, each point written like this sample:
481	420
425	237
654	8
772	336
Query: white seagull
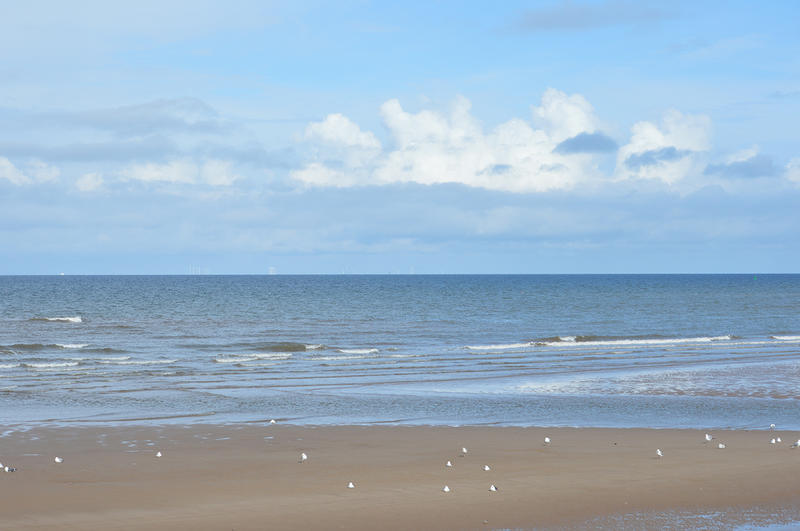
463	452
446	489
448	464
158	454
486	468
493	488
303	458
59	460
350	485
708	437
547	440
272	421
795	445
659	453
721	446
772	441
772	426
778	439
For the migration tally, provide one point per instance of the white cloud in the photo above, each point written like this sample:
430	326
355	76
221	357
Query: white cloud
668	152
212	172
793	170
430	147
10	172
43	172
338	129
89	182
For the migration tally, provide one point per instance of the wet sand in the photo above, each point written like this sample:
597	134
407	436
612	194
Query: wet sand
248	476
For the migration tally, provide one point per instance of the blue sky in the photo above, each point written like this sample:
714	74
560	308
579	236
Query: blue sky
427	137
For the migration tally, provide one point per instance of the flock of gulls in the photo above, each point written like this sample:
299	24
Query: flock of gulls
449	464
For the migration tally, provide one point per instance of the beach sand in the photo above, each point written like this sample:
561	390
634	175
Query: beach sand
248	476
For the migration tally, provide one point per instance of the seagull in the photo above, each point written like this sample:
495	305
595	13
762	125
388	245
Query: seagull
59	459
493	488
448	464
659	453
158	454
772	426
10	469
446	489
708	437
486	468
547	440
272	421
795	445
721	446
463	452
778	439
772	441
303	457
350	485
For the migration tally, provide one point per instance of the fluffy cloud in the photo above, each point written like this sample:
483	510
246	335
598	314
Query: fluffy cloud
35	171
668	152
89	182
10	172
431	147
212	172
793	170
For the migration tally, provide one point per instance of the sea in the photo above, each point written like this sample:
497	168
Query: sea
657	351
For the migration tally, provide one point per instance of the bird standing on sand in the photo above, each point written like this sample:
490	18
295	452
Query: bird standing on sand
158	454
708	437
463	452
486	468
272	421
772	441
659	453
778	439
795	445
493	488
350	485
721	446
303	458
58	460
547	440
446	489
448	464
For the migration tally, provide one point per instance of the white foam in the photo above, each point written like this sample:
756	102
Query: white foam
238	359
627	342
567	339
140	362
8	365
786	338
358	351
338	358
272	356
51	365
498	347
314	347
102	359
76	319
73	345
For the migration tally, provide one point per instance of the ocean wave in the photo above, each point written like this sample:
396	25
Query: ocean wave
138	362
786	338
51	365
357	351
506	346
103	359
339	358
608	341
8	365
76	319
241	358
314	347
72	345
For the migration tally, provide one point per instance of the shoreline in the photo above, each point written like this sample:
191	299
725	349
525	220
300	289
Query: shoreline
247	476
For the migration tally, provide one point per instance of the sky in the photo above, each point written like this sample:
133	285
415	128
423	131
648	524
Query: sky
240	137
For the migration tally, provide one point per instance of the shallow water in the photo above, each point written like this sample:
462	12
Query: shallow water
704	351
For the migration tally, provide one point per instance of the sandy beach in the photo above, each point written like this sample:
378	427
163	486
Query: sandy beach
248	476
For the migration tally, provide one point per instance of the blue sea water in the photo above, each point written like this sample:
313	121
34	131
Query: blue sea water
691	351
